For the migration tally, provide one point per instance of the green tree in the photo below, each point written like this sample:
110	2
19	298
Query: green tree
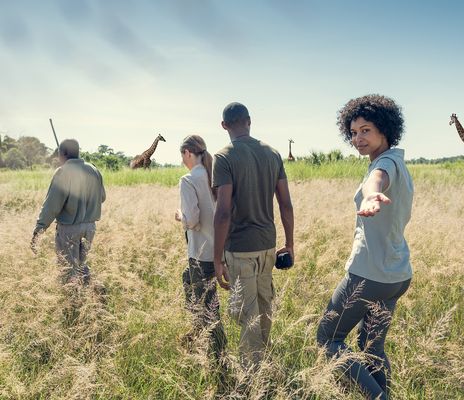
7	143
105	150
33	150
14	159
106	158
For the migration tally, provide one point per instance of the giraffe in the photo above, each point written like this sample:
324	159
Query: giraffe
454	120
143	160
290	156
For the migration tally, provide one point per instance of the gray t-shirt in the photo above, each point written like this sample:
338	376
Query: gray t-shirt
380	252
253	168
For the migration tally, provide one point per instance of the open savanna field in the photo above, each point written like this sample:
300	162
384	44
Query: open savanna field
126	343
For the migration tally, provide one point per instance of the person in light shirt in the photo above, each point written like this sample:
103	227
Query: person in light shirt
197	204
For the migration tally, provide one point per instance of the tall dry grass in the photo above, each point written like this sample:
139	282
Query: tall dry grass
57	343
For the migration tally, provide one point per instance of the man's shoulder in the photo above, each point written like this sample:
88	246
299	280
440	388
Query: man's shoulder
268	148
225	151
264	151
89	165
238	146
261	146
59	172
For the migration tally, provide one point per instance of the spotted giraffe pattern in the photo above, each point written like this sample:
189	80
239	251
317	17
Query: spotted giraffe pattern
143	160
460	129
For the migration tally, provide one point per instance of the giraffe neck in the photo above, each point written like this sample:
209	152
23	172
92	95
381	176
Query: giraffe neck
459	128
151	150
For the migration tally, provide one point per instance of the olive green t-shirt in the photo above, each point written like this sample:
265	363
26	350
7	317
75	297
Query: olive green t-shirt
253	168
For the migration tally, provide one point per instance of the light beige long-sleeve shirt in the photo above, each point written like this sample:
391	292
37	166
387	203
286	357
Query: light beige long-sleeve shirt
75	195
197	206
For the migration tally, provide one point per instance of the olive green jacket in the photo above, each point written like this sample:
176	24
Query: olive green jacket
75	195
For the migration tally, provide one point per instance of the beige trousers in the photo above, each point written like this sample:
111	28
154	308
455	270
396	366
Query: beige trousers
250	302
72	244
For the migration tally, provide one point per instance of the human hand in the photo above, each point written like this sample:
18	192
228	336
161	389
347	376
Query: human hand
221	271
287	260
35	238
178	215
287	249
371	204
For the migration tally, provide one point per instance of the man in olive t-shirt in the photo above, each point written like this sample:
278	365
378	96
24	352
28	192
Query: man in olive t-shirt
247	173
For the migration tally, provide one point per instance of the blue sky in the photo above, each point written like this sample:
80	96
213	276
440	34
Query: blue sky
120	72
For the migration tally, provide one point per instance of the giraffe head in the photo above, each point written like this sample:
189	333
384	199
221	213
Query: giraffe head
161	138
453	119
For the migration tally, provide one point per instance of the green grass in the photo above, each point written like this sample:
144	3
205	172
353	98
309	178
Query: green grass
446	173
129	177
25	179
301	170
40	178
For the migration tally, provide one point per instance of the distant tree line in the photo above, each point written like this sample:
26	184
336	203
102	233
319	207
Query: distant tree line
443	160
29	152
319	157
22	153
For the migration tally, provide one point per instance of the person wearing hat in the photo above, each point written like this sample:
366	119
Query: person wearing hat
74	199
246	174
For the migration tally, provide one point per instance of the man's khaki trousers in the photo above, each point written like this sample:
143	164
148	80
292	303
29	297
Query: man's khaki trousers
250	301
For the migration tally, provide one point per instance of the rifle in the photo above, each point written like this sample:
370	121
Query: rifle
54	134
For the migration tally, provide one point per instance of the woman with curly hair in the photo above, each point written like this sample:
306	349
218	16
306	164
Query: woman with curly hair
378	269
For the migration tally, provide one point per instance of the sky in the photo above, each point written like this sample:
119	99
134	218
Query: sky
121	72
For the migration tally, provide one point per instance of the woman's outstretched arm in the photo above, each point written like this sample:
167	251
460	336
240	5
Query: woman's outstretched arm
372	190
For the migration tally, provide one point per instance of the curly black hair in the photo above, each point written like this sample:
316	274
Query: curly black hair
382	111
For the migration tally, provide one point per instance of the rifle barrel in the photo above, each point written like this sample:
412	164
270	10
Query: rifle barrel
54	134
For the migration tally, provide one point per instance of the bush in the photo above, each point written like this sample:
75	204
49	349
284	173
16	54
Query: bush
319	158
106	158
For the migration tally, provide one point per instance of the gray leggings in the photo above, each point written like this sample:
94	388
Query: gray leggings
370	305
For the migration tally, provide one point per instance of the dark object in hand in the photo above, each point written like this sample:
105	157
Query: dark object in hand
284	261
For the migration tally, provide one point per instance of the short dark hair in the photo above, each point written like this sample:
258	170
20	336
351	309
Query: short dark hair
234	112
382	111
69	148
